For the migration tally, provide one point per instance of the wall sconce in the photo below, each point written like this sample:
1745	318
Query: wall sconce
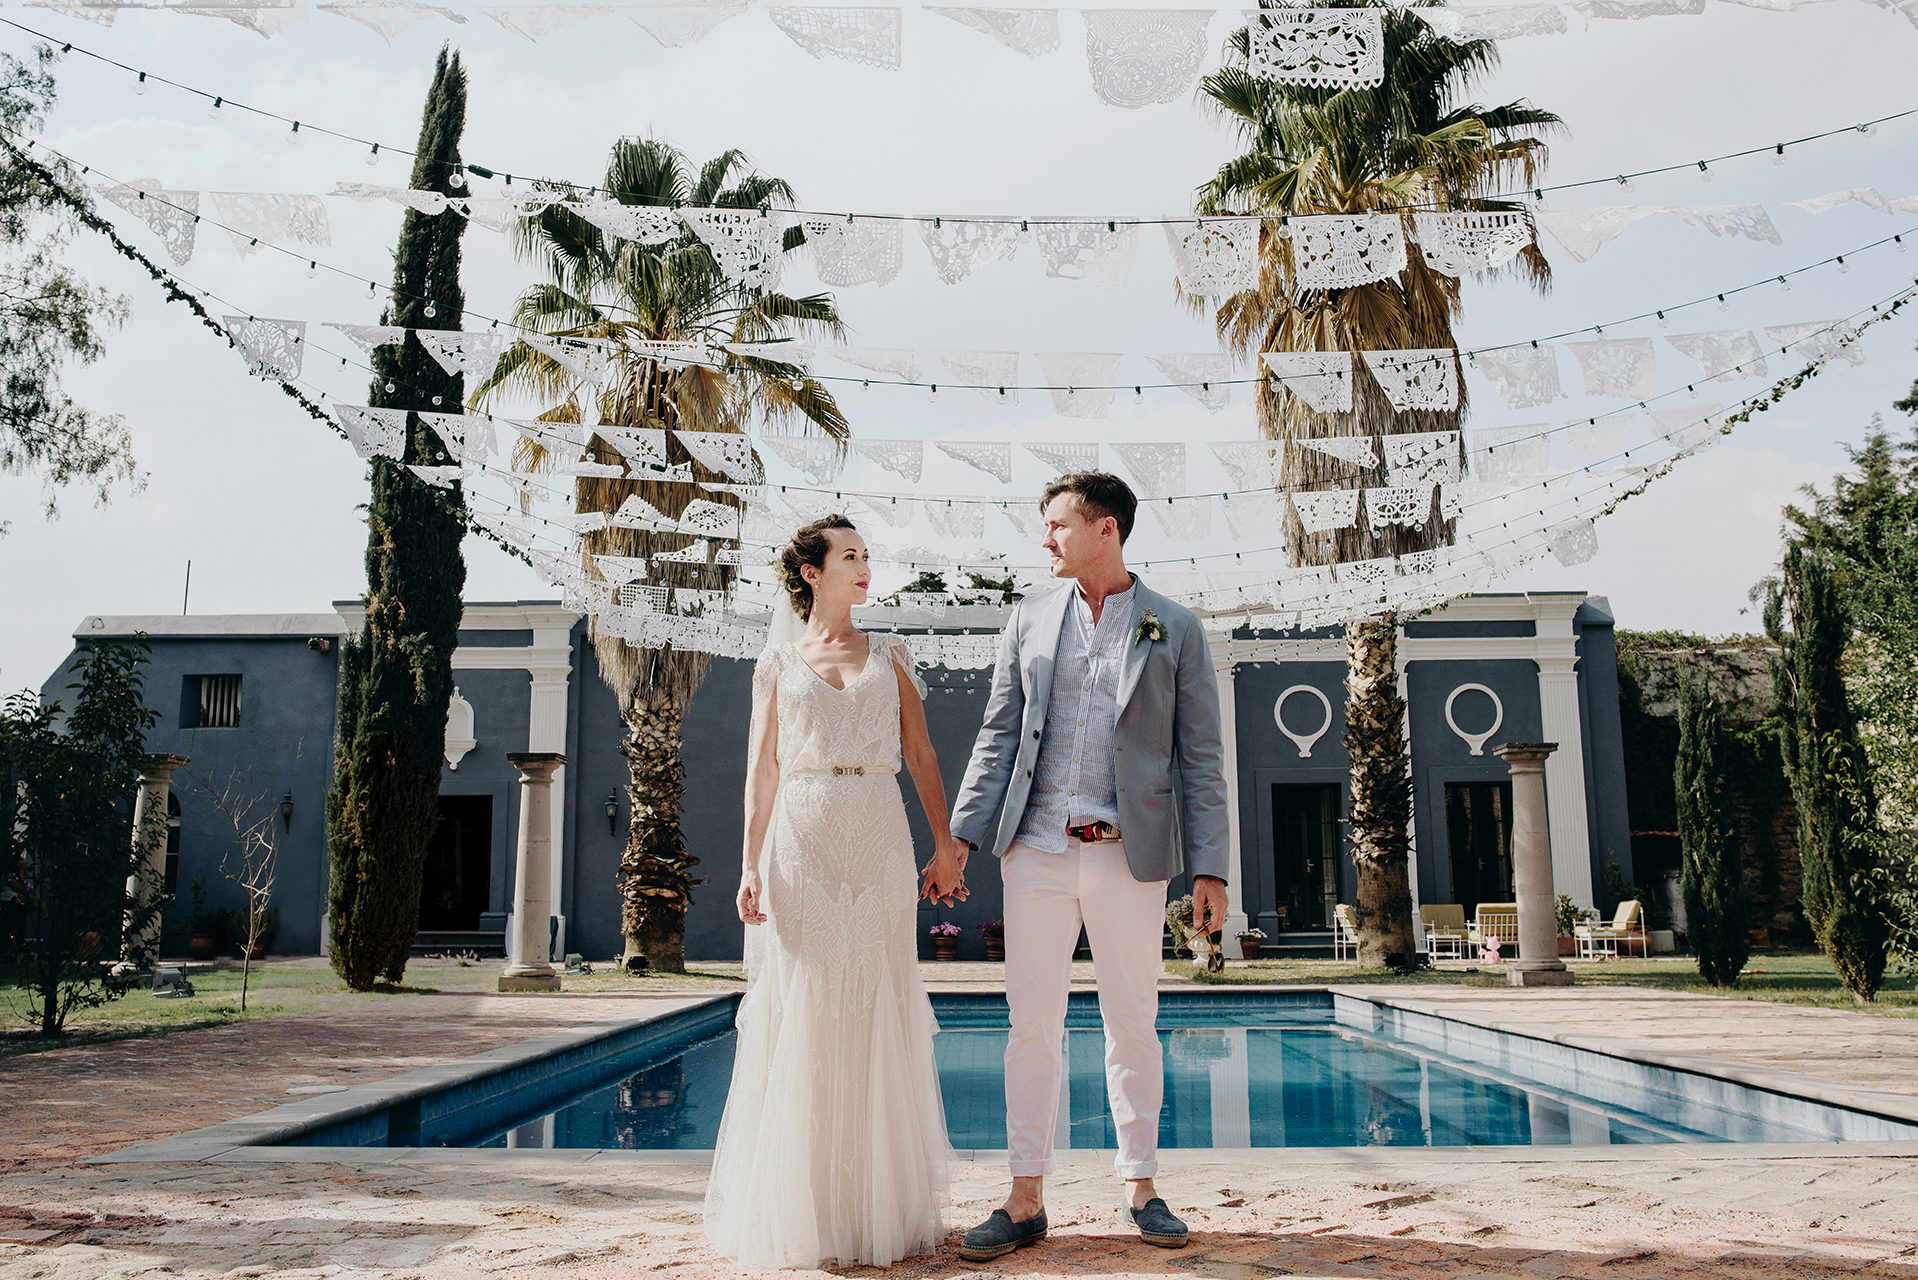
286	810
612	813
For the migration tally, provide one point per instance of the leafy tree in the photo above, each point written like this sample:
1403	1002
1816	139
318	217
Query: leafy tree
1867	527
606	287
1825	761
49	316
66	796
1415	140
396	676
1714	873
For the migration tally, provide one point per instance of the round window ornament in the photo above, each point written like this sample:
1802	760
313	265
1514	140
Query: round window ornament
1476	741
1303	741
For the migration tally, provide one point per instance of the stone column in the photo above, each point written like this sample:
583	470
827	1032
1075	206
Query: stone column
1229	732
1559	719
1538	964
139	948
528	969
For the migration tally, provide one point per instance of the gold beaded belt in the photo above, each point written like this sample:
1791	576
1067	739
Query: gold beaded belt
845	770
1093	832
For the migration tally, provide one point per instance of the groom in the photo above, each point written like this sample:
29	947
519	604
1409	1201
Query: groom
1102	758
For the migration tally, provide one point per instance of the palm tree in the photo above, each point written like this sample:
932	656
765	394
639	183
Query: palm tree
1412	141
605	287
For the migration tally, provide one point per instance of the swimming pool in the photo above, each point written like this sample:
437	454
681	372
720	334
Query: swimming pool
1271	1070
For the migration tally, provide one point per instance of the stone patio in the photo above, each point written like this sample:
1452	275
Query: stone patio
1640	1212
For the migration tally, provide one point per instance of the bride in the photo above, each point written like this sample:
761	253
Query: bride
833	1145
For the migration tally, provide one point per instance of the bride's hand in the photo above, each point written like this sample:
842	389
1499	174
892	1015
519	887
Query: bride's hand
748	900
944	879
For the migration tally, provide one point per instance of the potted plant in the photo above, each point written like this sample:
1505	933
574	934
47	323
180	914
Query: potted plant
1249	940
1569	918
994	932
945	941
1178	919
269	934
202	926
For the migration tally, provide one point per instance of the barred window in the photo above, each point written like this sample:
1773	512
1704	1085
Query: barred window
219	702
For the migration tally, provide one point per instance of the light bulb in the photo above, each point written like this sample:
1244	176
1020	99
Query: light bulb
934	397
1778	154
1869	130
293	134
213	112
799	384
1899	242
865	386
1722	304
389	388
371	288
1627	183
1663	323
1786	283
1138	395
436	401
1598	330
457	178
373	156
1842	268
1704	173
431	311
140	85
1692	391
312	269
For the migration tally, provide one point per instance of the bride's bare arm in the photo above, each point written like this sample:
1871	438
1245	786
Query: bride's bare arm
762	789
944	878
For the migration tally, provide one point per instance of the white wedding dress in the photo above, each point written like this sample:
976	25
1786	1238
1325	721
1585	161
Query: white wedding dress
833	1146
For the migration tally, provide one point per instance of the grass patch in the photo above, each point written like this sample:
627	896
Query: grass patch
296	987
1776	977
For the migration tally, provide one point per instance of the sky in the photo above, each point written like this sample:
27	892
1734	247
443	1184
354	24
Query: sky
263	501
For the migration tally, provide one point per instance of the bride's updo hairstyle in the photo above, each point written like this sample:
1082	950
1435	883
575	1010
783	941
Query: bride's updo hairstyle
809	546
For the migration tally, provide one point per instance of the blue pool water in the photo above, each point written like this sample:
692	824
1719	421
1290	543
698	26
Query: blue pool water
1245	1072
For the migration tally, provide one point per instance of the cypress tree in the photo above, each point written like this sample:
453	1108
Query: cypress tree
1714	872
396	677
1825	762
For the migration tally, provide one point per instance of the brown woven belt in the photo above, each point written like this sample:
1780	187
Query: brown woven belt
1093	832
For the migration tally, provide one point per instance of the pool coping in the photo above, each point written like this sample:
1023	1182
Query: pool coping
251	1139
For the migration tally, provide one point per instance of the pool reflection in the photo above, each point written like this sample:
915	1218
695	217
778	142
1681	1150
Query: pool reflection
1226	1088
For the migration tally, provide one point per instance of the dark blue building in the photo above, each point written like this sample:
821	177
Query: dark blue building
251	699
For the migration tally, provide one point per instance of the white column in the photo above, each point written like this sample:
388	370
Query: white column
1559	722
546	732
1229	733
529	969
1538	964
140	946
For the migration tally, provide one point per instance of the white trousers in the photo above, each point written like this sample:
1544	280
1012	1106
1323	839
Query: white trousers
1047	897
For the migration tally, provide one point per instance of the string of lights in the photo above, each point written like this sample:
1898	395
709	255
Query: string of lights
1842	261
220	102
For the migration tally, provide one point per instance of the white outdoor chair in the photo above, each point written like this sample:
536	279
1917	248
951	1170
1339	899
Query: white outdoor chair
1628	926
1345	936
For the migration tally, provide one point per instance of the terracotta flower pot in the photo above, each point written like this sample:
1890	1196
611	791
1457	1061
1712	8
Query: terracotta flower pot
945	948
201	947
1249	948
1567	946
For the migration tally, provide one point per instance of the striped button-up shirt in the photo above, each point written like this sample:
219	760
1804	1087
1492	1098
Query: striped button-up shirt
1073	782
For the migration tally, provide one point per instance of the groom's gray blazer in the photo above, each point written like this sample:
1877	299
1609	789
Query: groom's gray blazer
1167	755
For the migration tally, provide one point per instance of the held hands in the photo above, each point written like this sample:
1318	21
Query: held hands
748	899
944	879
1208	904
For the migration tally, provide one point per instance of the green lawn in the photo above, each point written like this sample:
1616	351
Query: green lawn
1781	977
289	988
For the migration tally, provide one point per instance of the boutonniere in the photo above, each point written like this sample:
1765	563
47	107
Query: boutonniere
1150	629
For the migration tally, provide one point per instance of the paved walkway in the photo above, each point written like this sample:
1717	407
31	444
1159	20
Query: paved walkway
1661	1213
